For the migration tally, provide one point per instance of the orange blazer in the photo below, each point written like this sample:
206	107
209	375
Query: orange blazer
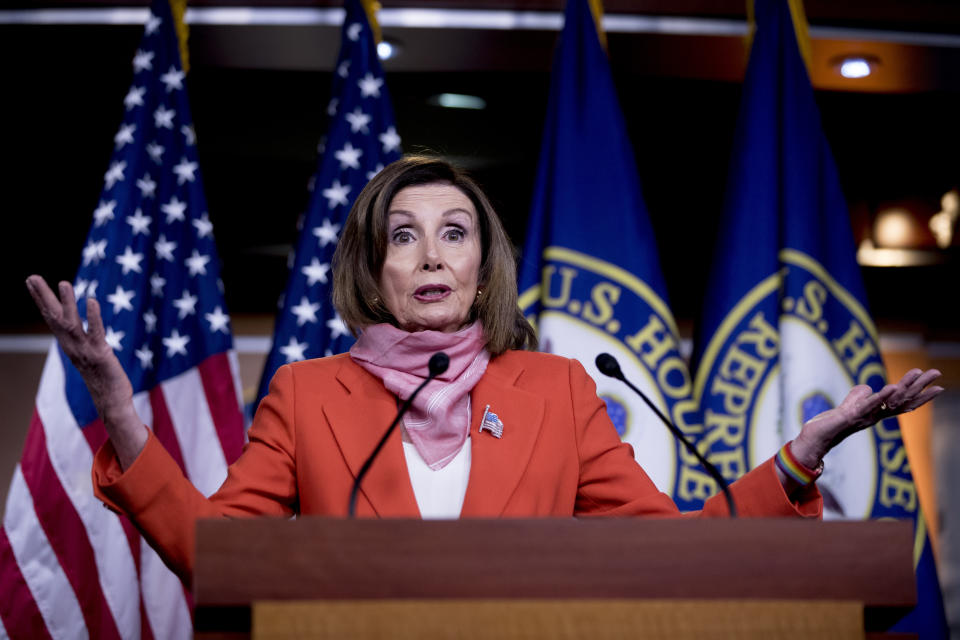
559	456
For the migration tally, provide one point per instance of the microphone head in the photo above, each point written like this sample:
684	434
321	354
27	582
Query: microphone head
438	363
609	366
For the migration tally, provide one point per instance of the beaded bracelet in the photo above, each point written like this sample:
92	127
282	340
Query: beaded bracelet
792	468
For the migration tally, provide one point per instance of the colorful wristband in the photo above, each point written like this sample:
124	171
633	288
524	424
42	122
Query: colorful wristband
792	468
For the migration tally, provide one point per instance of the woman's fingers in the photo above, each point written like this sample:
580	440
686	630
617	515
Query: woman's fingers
68	304
94	321
46	301
924	397
921	382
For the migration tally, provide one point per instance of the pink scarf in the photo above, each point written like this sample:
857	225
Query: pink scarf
439	419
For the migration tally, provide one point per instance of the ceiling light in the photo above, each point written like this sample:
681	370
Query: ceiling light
387	50
895	227
856	66
457	101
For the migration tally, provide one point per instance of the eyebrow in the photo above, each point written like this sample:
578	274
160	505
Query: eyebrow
445	214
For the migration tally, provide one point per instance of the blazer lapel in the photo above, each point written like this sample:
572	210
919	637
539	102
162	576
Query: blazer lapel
497	464
358	422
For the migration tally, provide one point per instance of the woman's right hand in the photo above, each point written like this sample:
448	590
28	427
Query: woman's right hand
89	352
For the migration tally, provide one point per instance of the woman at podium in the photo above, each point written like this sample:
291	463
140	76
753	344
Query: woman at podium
424	266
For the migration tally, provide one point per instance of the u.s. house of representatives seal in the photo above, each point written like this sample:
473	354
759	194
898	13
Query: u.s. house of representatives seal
585	306
792	348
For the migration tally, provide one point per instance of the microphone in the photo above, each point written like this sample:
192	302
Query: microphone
439	362
609	367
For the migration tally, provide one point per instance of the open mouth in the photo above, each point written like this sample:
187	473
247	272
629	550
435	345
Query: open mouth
431	292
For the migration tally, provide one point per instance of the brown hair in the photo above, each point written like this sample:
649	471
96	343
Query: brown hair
362	248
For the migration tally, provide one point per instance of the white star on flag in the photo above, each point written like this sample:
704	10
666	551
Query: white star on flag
147	186
134	97
390	140
203	225
294	350
327	232
94	252
150	321
337	327
174	209
377	169
189	137
113	339
145	356
124	135
306	311
142	61
130	261
343	69
185	305
172	79
353	31
218	321
337	194
80	289
90	291
103	213
153	23
315	272
197	264
156	284
115	173
156	152
163	117
176	343
139	223
370	86
348	156
164	248
185	170
121	300
332	107
358	121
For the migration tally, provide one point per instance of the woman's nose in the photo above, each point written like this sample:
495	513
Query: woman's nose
431	257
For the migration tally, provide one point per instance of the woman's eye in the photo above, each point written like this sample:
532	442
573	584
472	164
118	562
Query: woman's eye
455	235
402	236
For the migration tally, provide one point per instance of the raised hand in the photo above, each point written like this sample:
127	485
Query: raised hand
862	408
89	352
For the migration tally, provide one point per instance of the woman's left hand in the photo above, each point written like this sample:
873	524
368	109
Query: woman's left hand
862	408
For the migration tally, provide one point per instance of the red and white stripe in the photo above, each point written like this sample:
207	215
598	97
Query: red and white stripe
69	568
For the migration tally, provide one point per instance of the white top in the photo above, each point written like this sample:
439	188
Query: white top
439	493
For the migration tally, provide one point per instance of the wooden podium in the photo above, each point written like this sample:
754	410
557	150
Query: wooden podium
598	578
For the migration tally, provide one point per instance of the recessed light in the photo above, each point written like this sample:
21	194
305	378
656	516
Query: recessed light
387	49
457	101
856	66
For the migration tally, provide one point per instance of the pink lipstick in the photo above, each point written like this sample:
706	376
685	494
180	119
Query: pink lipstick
432	292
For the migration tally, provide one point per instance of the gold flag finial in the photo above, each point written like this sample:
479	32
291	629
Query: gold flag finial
179	8
372	7
596	8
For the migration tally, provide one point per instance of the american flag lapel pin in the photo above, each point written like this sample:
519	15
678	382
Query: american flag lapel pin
491	422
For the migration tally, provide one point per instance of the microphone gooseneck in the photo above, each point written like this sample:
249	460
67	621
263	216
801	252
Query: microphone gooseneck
439	362
609	367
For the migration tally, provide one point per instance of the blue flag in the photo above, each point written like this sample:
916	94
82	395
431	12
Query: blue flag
785	331
590	278
360	141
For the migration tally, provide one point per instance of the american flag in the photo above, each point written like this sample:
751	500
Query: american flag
361	139
69	568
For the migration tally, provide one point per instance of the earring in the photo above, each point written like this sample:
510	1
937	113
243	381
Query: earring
479	293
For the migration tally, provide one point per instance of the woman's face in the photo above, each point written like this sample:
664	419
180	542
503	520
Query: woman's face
430	273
